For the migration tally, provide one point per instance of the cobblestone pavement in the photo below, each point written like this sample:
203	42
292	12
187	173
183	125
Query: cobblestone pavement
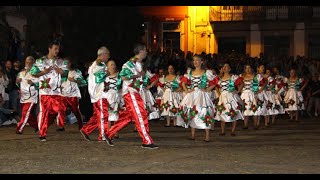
286	147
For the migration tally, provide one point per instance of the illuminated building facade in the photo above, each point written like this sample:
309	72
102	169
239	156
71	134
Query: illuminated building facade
273	30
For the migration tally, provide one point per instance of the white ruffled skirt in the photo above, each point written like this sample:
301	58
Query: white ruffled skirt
293	100
250	103
113	98
228	107
150	104
198	109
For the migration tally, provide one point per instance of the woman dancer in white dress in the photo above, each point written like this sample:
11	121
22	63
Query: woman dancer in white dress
146	83
279	91
261	97
171	99
249	88
272	105
197	106
214	95
112	93
293	98
159	93
229	101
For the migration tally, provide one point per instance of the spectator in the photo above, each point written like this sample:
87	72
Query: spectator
314	92
23	34
17	66
5	114
12	88
4	81
22	51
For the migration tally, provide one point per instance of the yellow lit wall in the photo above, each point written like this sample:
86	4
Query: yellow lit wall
195	28
200	33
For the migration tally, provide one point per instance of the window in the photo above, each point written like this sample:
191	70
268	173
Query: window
236	7
171	36
169	26
225	8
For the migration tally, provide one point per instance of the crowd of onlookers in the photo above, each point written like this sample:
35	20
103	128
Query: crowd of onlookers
304	66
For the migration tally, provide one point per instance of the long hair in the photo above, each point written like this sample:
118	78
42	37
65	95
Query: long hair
111	60
244	68
167	72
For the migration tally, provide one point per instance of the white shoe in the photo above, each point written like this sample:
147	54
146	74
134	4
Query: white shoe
14	121
7	123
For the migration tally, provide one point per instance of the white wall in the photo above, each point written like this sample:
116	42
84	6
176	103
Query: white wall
299	40
16	22
255	40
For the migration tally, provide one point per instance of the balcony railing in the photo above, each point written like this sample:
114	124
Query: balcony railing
263	13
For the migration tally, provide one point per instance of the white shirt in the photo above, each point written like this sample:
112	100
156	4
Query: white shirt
95	86
28	93
50	83
133	68
71	89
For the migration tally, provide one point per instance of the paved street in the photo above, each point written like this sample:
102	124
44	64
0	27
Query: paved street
287	147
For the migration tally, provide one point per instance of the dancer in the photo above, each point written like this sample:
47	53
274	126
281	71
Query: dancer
135	109
97	91
279	91
171	99
293	98
29	86
196	106
49	70
270	96
228	109
261	98
148	81
113	94
249	88
71	94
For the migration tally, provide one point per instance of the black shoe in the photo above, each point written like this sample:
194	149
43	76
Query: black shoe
222	134
116	137
18	132
43	139
245	127
109	141
60	129
233	134
85	136
149	146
